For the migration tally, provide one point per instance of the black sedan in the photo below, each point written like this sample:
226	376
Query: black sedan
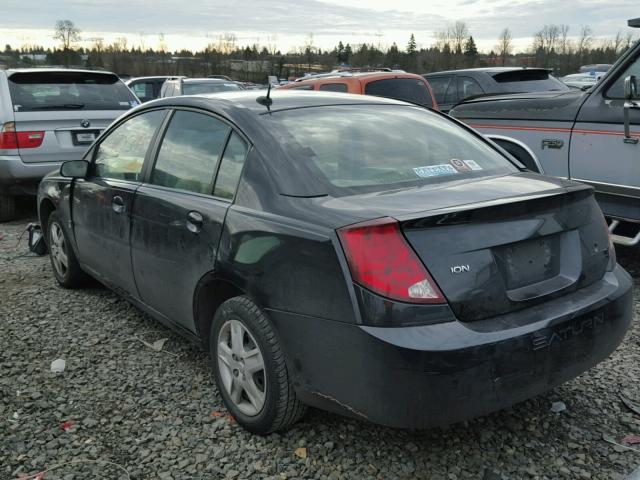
356	254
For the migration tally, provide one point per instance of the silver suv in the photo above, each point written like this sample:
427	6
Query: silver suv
48	116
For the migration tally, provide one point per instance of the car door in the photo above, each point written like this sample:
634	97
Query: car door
178	212
599	152
102	202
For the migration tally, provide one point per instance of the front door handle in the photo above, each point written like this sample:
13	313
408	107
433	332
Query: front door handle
117	203
195	220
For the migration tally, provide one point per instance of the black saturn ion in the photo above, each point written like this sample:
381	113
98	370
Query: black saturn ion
356	254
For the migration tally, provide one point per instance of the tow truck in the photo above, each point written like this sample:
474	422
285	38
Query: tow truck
592	136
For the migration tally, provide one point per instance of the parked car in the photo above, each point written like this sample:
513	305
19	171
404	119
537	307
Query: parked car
453	86
47	116
147	88
399	85
197	86
592	137
357	254
582	80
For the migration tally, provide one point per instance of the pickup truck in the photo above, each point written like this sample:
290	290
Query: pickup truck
591	136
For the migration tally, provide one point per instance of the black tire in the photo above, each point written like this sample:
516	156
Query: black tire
281	407
72	276
7	207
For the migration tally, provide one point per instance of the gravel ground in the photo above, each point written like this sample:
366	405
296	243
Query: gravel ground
156	415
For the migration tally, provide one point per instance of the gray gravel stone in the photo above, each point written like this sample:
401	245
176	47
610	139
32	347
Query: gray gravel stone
150	412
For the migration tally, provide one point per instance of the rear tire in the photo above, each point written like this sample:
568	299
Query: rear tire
251	373
65	265
7	207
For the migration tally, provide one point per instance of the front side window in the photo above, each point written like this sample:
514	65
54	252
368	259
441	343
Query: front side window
407	89
380	147
231	167
190	152
121	154
617	89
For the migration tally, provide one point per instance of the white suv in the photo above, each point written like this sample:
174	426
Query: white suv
48	116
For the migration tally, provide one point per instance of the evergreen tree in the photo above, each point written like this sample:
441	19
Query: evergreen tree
412	47
470	49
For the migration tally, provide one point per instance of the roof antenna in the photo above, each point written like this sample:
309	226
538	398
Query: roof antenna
266	101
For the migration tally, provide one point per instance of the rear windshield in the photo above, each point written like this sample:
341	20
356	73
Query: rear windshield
69	91
406	89
518	81
380	147
200	88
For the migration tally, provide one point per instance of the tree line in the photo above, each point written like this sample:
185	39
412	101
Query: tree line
454	47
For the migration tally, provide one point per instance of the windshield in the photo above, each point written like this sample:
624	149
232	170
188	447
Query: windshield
69	91
199	88
380	147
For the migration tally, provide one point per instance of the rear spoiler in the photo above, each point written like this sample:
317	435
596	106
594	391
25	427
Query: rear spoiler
634	23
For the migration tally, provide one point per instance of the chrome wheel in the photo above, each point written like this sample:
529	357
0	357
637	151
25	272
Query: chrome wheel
58	249
241	368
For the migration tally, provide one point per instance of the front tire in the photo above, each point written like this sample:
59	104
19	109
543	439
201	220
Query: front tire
250	370
65	265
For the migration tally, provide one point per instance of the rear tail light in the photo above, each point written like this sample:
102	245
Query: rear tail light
10	139
381	260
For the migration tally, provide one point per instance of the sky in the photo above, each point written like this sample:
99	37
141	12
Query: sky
287	25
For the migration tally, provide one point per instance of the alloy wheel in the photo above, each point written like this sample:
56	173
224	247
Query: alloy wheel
241	367
58	249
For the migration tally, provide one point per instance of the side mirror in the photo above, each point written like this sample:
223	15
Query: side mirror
630	88
74	169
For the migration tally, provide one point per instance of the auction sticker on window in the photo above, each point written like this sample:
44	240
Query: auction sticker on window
472	164
435	170
459	165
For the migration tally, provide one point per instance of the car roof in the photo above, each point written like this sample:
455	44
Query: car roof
378	75
200	80
151	77
282	100
485	70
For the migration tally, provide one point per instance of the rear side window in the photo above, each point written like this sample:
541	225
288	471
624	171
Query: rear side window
190	152
121	154
407	89
32	91
302	87
231	167
376	148
439	87
528	80
334	87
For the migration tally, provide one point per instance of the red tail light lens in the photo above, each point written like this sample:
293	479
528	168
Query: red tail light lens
10	139
381	260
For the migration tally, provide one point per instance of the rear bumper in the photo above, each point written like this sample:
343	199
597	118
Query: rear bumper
15	172
422	376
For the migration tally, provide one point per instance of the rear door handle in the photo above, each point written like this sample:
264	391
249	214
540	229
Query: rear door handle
195	220
117	203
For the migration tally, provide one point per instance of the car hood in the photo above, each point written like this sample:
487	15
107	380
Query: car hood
551	106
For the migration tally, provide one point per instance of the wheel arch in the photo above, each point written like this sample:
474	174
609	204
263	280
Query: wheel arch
45	209
519	150
211	292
